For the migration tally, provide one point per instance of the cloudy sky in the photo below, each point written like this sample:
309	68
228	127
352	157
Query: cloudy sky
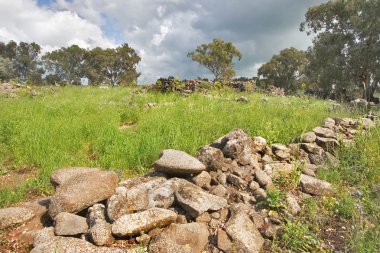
161	31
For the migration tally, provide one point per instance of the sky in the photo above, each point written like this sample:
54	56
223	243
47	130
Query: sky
161	31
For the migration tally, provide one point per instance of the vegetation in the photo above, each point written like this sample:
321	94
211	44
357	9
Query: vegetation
111	128
217	57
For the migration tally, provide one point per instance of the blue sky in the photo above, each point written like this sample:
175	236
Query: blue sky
161	31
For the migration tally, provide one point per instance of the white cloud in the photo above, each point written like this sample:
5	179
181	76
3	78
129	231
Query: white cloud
23	20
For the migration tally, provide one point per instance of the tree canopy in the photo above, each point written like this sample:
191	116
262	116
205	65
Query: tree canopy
285	68
346	49
217	57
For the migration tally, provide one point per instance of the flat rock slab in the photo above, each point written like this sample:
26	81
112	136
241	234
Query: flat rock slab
196	201
244	233
70	224
309	137
14	215
82	191
181	238
324	132
58	177
175	162
46	242
133	224
315	186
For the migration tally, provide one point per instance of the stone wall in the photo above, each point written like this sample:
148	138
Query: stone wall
207	203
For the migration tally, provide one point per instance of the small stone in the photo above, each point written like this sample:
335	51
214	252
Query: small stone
236	181
203	180
70	224
204	217
324	132
14	215
260	194
219	190
215	215
101	234
312	148
262	178
309	137
254	185
223	242
176	162
292	204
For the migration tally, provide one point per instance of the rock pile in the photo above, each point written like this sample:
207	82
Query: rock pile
207	203
276	91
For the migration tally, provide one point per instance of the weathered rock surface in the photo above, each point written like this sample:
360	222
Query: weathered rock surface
203	180
312	148
196	201
324	132
133	224
101	234
70	224
176	162
314	186
212	158
58	177
309	137
262	177
243	232
14	215
46	242
292	204
82	191
237	146
328	144
181	238
329	123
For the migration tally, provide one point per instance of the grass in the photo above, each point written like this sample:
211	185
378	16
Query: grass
79	126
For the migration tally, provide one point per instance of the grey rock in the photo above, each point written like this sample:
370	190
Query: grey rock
181	238
324	132
260	145
223	242
58	177
212	158
329	123
176	162
328	144
219	190
279	169
314	186
236	181
244	233
366	123
262	177
202	180
70	224
292	204
196	201
14	215
312	148
254	185
82	191
96	214
309	137
101	234
260	194
133	224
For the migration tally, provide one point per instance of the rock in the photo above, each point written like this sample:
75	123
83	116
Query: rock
244	233
324	132
292	204
260	145
236	181
219	190
279	169
14	215
366	123
202	180
204	217
330	159
143	239
181	238
260	194
162	196
70	224
96	214
281	152
309	137
314	186
58	177
176	162
46	242
134	197
312	148
196	201
262	177
317	159
329	123
101	234
359	102
82	191
223	242
238	146
212	158
328	144
133	224
308	171
270	231
254	185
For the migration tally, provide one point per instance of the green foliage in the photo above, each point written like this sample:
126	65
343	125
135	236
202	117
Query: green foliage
297	237
275	199
289	181
284	69
346	48
218	85
217	57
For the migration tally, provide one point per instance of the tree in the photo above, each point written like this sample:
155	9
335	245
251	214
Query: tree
285	68
346	50
6	69
217	57
113	66
68	64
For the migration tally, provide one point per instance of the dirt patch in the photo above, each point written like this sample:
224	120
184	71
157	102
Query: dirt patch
15	177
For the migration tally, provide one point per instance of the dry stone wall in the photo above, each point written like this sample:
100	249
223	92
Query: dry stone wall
206	203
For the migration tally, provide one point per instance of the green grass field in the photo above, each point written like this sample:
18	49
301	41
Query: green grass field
79	126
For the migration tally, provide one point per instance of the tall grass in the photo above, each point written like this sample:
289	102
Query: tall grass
77	126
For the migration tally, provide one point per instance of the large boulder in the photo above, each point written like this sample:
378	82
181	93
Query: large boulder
82	191
243	232
176	162
181	238
58	177
315	186
14	216
70	224
134	224
196	201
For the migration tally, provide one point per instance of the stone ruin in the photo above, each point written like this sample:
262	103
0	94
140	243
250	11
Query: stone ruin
207	203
